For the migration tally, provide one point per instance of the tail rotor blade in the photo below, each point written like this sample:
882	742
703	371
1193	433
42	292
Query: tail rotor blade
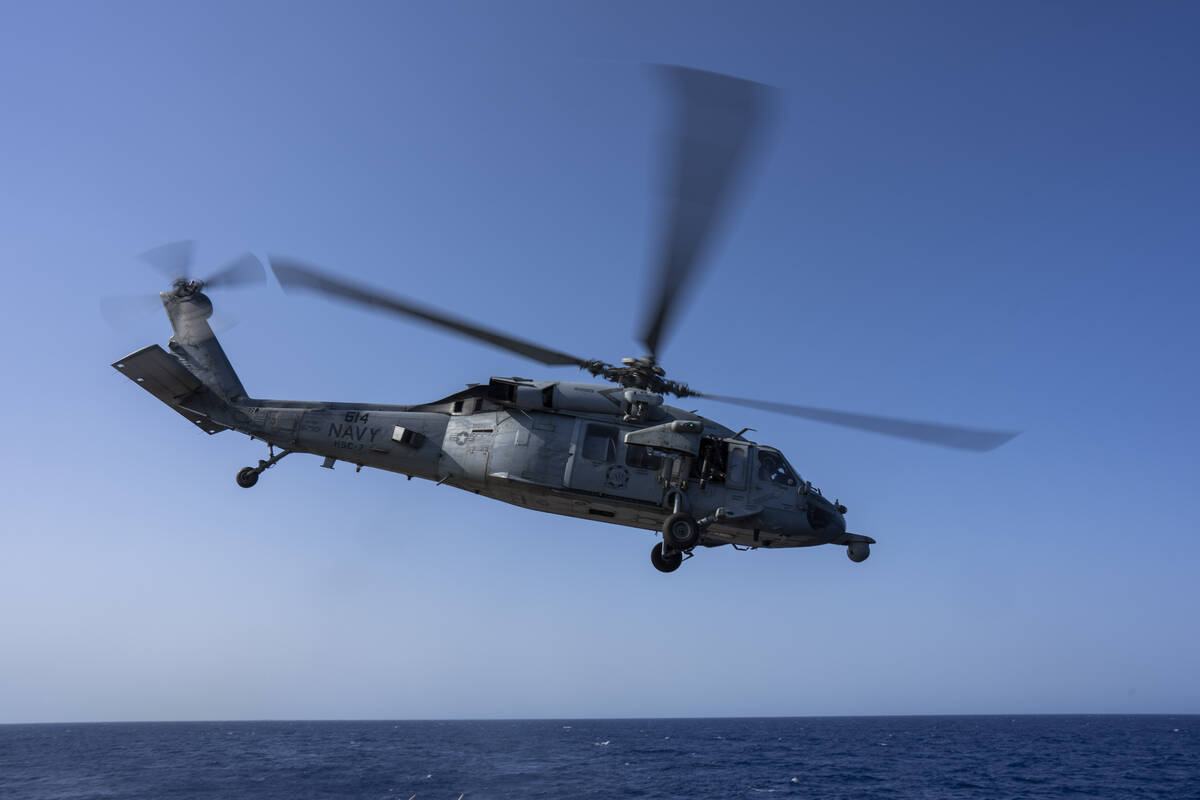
173	260
222	323
246	270
959	438
717	121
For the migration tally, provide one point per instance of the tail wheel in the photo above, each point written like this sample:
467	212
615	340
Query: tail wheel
681	532
668	563
247	477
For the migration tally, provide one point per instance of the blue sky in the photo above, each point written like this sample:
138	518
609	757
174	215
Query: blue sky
968	213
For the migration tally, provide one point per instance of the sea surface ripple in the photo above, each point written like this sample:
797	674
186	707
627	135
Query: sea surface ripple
831	757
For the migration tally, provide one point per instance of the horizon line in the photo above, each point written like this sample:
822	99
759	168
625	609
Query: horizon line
602	719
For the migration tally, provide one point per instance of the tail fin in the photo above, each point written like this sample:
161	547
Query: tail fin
195	344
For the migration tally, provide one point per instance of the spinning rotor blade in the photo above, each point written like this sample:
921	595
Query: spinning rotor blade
174	260
717	119
125	311
246	270
929	432
294	274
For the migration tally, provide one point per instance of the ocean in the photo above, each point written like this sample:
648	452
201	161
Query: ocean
829	757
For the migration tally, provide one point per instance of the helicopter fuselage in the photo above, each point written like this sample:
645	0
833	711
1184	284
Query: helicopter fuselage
563	461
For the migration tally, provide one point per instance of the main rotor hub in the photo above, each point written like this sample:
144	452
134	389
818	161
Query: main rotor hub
638	373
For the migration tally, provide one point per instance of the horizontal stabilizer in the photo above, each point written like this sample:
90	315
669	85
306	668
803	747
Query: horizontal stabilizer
163	376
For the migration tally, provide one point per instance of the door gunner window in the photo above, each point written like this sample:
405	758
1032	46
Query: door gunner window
600	443
772	468
710	463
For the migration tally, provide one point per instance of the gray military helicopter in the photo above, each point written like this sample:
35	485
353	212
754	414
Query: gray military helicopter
612	452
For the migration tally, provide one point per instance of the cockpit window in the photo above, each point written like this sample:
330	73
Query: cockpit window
773	469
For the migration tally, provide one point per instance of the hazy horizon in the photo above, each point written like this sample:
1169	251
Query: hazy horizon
583	719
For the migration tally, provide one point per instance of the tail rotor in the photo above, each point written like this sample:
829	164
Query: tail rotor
175	261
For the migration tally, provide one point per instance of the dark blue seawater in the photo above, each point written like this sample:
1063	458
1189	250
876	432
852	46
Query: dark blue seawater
847	757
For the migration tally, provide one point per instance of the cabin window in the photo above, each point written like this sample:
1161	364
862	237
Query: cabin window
638	456
600	443
458	407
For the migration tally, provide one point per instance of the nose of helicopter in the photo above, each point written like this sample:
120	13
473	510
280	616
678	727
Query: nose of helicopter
837	525
824	517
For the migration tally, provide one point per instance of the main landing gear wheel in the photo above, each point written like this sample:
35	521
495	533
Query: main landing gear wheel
681	532
668	563
248	476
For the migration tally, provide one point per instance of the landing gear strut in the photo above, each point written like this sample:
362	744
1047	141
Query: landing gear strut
248	476
680	534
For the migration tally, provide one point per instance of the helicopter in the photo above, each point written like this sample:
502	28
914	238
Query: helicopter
612	452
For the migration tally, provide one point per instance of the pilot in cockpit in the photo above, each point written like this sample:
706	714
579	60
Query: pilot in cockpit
771	467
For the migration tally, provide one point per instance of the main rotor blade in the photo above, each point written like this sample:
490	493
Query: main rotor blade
929	432
245	270
716	121
173	260
294	274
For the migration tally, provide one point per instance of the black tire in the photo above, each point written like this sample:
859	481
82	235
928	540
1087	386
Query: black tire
681	532
668	563
247	477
